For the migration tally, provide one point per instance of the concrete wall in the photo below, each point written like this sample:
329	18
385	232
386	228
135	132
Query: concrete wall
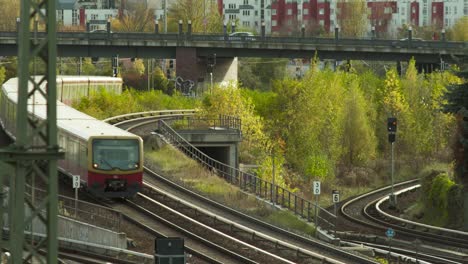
190	66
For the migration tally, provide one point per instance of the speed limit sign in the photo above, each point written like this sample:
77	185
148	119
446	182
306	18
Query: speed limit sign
336	196
316	187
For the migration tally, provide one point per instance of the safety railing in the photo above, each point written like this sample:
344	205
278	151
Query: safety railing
251	183
185	37
224	122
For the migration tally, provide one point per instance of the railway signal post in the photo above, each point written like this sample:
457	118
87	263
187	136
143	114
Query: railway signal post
390	233
392	127
316	189
76	186
336	199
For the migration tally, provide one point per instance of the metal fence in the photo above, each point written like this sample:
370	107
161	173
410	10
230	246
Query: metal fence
224	122
251	183
83	211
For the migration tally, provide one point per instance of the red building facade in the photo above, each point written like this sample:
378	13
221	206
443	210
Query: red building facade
381	14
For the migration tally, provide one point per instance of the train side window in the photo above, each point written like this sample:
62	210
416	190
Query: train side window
61	140
83	151
73	149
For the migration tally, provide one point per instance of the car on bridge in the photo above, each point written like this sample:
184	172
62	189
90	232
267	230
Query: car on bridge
242	36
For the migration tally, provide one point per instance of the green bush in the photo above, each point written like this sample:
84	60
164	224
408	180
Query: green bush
442	199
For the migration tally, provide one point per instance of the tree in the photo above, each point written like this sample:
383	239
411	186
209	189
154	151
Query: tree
137	18
352	17
2	75
9	11
459	31
204	16
358	137
259	73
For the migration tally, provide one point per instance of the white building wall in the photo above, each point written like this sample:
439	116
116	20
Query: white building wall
453	10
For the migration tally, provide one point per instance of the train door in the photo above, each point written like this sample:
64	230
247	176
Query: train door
83	161
73	155
63	144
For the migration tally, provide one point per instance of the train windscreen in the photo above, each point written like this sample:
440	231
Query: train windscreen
116	154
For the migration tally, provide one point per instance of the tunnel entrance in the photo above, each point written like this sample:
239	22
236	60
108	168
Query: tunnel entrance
219	153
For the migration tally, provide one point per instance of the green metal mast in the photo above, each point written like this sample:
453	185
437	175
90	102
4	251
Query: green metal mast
35	152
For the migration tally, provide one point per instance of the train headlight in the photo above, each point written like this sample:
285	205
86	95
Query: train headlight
95	165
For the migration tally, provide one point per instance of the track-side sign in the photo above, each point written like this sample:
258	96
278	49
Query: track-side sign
316	187
336	196
390	233
76	181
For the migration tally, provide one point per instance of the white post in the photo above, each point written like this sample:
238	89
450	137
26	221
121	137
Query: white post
76	185
211	81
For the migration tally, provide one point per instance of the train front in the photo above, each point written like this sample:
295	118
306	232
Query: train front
115	165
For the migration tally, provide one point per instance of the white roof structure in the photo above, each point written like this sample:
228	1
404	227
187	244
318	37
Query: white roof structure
68	118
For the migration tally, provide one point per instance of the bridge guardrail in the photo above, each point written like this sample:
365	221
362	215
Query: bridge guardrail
391	43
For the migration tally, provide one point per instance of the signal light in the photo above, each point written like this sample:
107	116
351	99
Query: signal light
392	128
392	124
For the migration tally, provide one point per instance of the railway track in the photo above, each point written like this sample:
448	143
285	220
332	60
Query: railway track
365	215
281	242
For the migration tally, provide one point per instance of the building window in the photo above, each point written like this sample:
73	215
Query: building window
256	12
413	10
74	17
246	2
273	23
446	10
289	11
332	11
94	16
306	11
387	10
322	22
246	23
289	23
424	10
434	9
454	10
299	12
321	11
273	12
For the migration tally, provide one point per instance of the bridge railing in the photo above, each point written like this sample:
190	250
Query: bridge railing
251	183
223	122
185	37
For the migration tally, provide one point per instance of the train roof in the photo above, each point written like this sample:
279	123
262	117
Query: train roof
68	118
86	78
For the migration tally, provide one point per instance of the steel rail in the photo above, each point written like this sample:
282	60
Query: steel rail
436	229
247	230
324	246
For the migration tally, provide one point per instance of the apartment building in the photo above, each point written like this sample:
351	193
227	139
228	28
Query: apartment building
248	13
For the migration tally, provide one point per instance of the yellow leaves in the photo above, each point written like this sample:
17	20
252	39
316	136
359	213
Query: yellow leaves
459	31
9	11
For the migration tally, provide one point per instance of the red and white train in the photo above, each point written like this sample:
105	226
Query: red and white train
109	160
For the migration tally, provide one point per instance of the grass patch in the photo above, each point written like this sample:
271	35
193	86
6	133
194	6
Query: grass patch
177	167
